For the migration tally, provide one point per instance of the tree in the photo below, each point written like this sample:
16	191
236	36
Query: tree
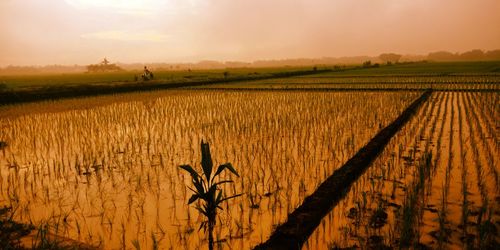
472	55
492	54
390	57
103	67
105	61
442	56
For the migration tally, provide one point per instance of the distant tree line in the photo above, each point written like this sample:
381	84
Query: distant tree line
102	68
472	55
47	69
390	58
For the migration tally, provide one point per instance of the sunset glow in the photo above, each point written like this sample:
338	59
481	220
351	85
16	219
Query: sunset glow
82	31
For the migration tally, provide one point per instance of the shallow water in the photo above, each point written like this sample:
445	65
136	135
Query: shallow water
457	128
105	172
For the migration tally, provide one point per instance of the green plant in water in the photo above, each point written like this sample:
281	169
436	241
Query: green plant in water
207	189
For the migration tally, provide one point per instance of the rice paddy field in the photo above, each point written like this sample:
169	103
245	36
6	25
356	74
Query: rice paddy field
104	170
435	185
482	76
116	165
373	82
53	80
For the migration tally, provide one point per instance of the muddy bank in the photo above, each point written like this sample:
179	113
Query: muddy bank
302	222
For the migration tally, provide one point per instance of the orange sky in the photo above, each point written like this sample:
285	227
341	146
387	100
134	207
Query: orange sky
36	32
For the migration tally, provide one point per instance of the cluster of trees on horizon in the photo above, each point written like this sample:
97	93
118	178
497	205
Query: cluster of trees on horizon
472	55
439	56
104	66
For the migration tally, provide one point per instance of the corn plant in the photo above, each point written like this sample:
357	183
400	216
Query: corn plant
207	189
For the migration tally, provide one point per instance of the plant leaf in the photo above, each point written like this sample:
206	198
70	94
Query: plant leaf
193	198
224	166
222	182
211	192
199	187
220	169
219	197
190	170
206	160
194	191
201	210
202	226
230	197
231	168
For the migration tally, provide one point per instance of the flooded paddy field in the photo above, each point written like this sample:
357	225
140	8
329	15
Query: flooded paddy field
106	173
434	186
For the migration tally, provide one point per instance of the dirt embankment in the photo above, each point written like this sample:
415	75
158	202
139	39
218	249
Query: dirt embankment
303	221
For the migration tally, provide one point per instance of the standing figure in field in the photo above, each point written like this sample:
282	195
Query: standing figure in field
147	75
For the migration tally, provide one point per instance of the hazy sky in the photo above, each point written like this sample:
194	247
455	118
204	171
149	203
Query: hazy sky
83	31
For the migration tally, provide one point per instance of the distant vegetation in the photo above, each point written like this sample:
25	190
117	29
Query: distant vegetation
104	66
473	55
386	58
390	58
